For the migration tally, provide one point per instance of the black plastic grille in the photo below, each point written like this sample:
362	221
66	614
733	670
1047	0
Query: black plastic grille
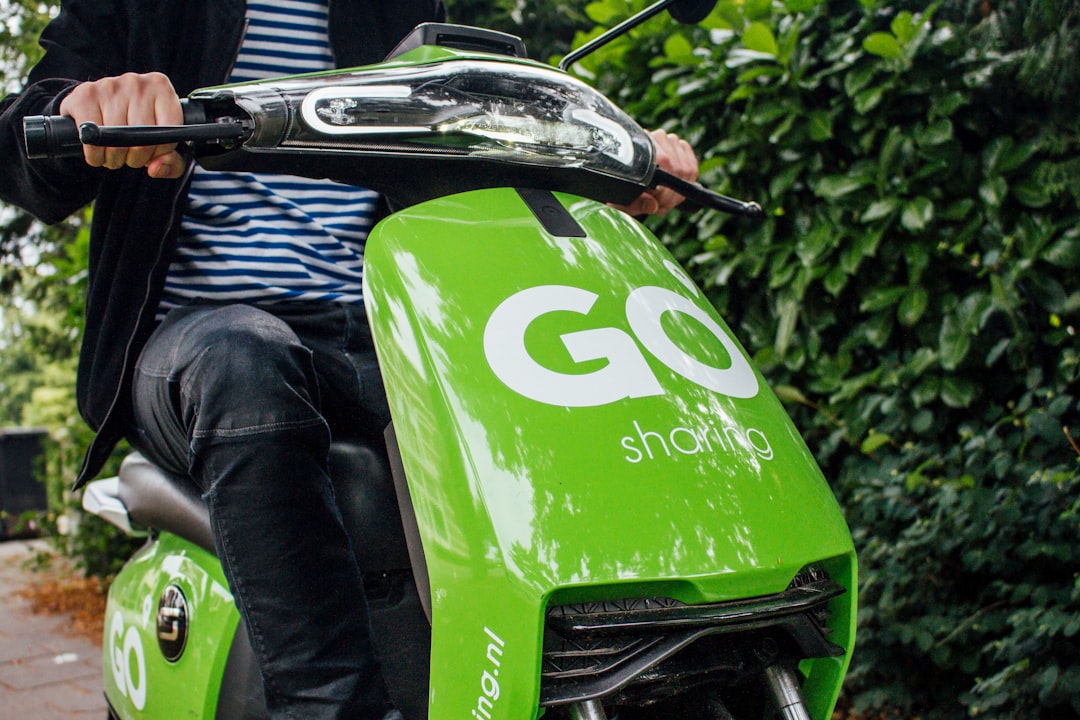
644	649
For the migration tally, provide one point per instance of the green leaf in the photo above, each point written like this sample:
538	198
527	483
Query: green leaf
922	360
759	38
903	26
834	187
957	392
922	421
759	71
859	78
914	481
678	49
883	45
853	386
958	210
757	9
1065	253
789	316
604	12
925	391
863	245
742	92
1017	156
836	280
789	41
881	298
867	100
1047	291
912	306
917	214
1004	155
878	329
812	246
777	135
782	181
873	442
918	258
1031	193
767	112
790	394
953	342
937	133
880	209
958	327
732	12
821	125
946	104
993	191
896	153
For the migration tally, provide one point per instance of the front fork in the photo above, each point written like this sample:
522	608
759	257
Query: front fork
781	681
783	684
587	710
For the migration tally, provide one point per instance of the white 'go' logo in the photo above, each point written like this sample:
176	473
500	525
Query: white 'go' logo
627	374
127	661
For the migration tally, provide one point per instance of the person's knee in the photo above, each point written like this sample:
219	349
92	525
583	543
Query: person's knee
253	373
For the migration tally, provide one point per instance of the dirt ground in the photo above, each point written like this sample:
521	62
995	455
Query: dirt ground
60	589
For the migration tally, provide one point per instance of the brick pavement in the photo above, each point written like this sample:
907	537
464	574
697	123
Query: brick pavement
45	673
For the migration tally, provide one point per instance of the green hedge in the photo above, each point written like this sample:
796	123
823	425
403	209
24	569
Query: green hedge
913	297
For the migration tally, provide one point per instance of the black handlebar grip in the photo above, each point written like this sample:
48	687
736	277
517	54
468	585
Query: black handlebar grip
51	137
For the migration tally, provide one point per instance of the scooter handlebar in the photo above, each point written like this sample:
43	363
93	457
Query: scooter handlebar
57	136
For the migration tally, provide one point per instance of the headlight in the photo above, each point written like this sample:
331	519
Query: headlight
517	112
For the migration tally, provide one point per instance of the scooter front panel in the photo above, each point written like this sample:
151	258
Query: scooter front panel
575	422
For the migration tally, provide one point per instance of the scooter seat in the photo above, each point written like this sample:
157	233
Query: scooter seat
163	501
363	487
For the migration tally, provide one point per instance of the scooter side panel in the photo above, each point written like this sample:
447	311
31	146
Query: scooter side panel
139	681
576	423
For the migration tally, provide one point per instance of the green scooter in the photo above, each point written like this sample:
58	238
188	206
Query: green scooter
589	503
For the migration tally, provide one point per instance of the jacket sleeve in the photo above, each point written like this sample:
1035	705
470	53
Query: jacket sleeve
80	44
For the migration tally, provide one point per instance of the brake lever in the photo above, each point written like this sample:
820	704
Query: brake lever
700	196
144	135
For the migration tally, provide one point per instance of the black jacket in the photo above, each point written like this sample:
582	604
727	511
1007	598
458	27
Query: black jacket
136	219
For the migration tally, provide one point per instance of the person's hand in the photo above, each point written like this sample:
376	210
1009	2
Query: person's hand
130	99
677	157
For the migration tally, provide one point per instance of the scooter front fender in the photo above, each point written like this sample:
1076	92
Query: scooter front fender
159	664
576	423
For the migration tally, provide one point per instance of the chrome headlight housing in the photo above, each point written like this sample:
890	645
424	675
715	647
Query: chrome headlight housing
513	112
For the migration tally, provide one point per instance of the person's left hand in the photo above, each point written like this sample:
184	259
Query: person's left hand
674	155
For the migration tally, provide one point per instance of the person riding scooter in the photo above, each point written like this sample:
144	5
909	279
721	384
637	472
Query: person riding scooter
236	300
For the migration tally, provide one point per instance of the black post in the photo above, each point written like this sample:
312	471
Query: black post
20	488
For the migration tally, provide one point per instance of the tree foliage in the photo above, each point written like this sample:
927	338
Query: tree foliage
43	277
912	296
547	27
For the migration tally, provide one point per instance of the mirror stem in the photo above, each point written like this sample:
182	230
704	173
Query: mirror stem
617	31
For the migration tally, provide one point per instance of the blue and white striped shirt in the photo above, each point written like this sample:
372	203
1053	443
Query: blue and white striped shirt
249	237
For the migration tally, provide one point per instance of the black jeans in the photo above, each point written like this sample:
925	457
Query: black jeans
245	401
